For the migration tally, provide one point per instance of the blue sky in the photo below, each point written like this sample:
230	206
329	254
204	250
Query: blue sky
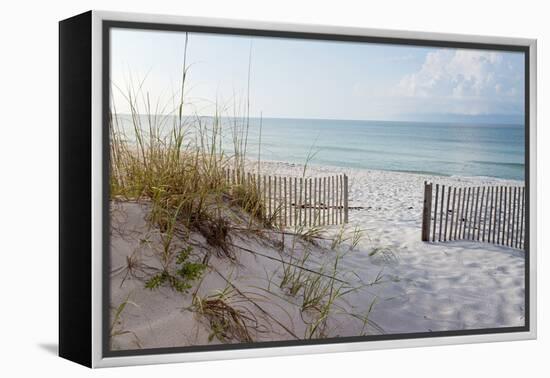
319	79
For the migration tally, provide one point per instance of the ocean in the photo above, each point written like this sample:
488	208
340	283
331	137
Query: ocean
448	149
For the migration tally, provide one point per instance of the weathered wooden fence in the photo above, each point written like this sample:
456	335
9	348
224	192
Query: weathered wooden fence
492	214
299	201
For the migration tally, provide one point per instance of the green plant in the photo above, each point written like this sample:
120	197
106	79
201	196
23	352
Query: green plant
177	162
357	236
293	275
186	273
117	328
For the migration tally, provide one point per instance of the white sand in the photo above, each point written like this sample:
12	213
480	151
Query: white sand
433	286
422	286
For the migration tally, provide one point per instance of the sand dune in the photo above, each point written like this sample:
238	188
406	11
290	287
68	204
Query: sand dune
403	284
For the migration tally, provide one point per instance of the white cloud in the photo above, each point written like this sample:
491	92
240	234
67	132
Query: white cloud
466	82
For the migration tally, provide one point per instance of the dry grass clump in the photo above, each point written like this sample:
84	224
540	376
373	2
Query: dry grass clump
250	200
178	164
228	320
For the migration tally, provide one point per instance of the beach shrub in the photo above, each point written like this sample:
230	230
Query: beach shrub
181	281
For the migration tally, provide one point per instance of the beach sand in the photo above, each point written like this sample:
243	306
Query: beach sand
404	285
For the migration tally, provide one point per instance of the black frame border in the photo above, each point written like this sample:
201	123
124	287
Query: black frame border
107	25
75	189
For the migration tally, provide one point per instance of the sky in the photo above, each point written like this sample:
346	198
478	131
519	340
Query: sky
294	78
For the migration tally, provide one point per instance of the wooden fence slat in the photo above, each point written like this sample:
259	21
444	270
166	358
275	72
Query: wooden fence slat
315	201
452	215
341	203
466	214
454	218
441	211
495	214
285	202
508	216
490	206
498	202
307	195
469	205
473	217
522	229
296	221
332	197
275	215
300	203
279	199
511	215
461	229
435	210
514	219
518	220
457	223
328	199
427	212
333	200
324	201
264	195
447	213
336	199
346	199
332	190
500	220
488	203
517	217
481	212
504	216
269	196
341	199
290	210
475	214
319	200
502	200
308	201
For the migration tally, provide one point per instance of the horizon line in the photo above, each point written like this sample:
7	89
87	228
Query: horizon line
484	122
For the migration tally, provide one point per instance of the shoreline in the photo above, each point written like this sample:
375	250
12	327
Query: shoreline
319	169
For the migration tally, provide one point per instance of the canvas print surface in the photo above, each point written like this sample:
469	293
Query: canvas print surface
267	189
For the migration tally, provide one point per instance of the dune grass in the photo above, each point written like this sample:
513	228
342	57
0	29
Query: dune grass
178	165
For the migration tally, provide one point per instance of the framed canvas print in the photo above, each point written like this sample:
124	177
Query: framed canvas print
233	189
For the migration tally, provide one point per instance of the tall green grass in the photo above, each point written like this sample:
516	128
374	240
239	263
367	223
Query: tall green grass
177	162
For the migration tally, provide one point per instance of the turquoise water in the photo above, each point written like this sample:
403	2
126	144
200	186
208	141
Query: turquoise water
436	148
